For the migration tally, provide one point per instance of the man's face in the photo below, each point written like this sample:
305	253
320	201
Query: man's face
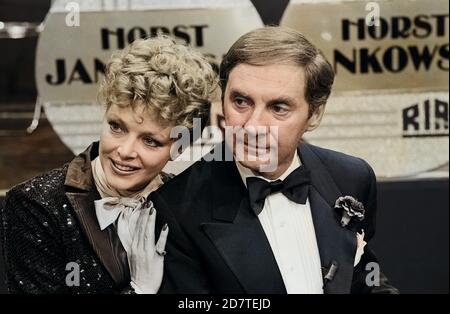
267	96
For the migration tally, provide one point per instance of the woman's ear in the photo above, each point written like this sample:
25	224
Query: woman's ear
315	119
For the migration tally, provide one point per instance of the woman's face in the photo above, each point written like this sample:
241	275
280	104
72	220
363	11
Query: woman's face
134	147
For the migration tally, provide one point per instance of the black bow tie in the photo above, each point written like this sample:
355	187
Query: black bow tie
295	187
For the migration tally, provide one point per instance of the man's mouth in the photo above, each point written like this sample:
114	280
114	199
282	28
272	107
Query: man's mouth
254	148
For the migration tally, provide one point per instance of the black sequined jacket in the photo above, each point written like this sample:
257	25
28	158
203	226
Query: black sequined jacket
51	239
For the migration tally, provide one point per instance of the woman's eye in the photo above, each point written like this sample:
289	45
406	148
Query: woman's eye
115	127
151	142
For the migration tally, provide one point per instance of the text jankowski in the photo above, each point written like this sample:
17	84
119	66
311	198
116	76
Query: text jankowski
396	58
117	39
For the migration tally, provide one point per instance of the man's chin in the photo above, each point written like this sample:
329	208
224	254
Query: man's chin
256	166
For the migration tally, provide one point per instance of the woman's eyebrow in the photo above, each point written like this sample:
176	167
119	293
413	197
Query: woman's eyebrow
117	119
113	116
155	135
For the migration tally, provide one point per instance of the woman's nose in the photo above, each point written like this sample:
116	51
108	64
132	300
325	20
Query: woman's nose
127	149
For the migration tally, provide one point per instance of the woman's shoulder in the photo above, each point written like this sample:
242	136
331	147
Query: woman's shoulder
41	190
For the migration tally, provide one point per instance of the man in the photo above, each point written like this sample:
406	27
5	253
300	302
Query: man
241	227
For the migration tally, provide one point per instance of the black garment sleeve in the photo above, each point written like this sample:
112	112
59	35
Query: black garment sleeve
32	247
368	278
367	275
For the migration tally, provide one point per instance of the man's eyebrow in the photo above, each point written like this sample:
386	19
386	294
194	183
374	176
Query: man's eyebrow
283	99
237	93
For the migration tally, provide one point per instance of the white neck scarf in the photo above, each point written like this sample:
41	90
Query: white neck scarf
123	206
106	190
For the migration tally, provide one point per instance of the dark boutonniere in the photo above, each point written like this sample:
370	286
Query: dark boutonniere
350	211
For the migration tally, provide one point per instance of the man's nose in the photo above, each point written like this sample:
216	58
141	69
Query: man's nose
255	119
127	148
256	124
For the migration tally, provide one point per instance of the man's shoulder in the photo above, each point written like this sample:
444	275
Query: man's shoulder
331	156
191	180
342	165
186	197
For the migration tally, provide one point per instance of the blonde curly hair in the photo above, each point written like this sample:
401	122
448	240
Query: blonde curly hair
175	83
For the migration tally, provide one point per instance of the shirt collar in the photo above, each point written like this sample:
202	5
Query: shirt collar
246	172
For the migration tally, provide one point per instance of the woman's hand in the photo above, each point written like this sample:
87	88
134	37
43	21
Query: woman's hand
146	259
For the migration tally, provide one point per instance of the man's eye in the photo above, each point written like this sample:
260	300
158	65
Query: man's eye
115	127
280	109
240	102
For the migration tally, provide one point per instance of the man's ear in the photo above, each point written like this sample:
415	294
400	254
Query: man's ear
315	119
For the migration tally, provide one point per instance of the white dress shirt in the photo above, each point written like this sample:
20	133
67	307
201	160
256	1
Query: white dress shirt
290	231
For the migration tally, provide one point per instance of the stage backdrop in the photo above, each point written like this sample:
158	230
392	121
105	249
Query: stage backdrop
390	99
390	105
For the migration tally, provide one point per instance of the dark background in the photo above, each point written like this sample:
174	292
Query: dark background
412	239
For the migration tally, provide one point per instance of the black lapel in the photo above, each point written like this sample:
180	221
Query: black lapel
238	234
335	242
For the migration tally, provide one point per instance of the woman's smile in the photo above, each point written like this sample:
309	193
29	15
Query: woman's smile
121	168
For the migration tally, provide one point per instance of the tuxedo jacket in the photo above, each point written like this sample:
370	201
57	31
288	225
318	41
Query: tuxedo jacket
216	243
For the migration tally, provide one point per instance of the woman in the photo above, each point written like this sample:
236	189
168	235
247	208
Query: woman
86	227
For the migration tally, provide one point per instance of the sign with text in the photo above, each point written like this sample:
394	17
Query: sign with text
376	45
399	134
390	97
72	51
